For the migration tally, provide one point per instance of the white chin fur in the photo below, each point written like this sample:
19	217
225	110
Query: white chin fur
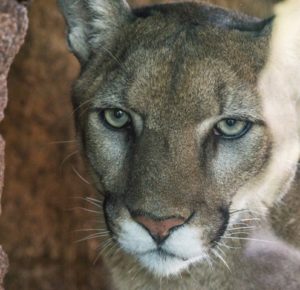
184	246
164	266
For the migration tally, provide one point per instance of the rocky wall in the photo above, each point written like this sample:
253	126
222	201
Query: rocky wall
13	26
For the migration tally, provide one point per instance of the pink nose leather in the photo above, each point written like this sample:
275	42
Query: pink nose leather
160	229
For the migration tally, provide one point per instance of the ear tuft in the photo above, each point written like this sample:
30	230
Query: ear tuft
93	23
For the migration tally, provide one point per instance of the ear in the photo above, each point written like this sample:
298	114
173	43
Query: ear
93	23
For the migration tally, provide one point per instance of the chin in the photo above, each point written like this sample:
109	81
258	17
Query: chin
166	265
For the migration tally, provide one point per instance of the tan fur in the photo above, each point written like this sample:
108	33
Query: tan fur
178	70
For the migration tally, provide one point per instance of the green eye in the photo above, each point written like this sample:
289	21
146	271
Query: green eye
232	128
116	118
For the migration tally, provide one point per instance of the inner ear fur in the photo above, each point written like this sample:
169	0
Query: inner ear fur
93	23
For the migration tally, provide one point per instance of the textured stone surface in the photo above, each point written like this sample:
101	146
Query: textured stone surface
13	26
3	266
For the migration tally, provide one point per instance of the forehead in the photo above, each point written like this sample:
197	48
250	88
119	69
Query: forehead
172	65
192	76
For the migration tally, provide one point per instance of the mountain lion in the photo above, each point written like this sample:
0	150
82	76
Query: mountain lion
187	116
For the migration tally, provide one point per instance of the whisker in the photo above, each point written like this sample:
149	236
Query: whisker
251	219
104	247
118	250
238	211
192	276
68	157
94	200
92	236
90	230
80	176
239	224
247	239
110	250
220	249
209	262
247	210
87	102
137	272
240	232
228	247
96	258
97	203
85	209
241	228
84	110
114	58
63	142
218	255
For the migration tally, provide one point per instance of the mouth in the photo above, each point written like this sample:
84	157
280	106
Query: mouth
163	254
163	263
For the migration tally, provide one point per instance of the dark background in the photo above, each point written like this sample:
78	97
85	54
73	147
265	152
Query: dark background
42	188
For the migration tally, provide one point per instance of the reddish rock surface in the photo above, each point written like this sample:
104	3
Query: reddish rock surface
13	26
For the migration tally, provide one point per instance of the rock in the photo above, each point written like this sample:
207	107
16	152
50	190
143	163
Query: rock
3	266
13	27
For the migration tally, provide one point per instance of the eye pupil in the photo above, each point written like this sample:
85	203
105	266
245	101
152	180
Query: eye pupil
230	122
118	114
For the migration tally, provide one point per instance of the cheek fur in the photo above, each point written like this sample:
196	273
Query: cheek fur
106	151
234	162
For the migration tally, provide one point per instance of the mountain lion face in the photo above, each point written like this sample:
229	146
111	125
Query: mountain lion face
173	126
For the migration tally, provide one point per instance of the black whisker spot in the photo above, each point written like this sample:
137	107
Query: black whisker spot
225	215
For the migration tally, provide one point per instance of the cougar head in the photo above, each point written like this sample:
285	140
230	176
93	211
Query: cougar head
173	126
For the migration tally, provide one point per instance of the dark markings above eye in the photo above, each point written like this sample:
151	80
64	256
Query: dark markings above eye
231	128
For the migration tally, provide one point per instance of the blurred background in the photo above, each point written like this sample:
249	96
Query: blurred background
45	178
